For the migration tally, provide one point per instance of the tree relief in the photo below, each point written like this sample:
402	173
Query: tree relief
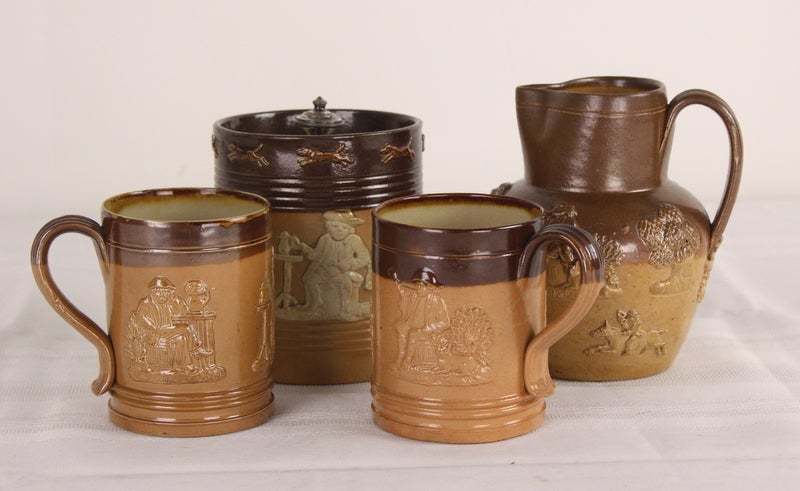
672	240
338	269
563	268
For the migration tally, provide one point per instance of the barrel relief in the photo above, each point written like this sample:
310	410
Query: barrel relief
170	338
338	269
266	337
435	346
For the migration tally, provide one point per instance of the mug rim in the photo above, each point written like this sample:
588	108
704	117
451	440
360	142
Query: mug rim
110	211
463	197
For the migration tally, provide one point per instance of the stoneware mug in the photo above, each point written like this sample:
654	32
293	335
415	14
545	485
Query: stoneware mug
460	340
188	277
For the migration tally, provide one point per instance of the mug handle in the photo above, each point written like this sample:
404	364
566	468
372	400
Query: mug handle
533	263
716	104
77	319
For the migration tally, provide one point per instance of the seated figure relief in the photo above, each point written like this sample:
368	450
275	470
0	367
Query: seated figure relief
338	268
171	339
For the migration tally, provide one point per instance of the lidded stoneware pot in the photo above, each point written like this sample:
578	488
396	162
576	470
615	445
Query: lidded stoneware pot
322	171
596	152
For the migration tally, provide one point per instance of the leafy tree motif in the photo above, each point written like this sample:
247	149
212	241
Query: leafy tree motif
612	256
470	335
563	270
672	240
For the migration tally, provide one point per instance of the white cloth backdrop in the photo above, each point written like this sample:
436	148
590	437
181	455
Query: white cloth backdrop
727	414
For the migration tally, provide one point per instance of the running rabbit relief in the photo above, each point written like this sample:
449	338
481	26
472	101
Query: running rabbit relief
253	155
391	152
338	156
436	347
170	338
337	272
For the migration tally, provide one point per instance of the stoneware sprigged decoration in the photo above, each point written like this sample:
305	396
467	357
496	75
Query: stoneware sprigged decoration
596	153
322	171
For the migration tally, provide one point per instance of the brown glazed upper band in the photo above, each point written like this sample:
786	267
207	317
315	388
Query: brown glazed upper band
456	256
596	95
373	156
185	219
628	112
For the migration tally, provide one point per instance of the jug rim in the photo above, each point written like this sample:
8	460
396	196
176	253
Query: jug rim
583	85
613	94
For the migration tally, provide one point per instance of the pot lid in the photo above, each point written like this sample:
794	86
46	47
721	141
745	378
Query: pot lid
319	117
319	121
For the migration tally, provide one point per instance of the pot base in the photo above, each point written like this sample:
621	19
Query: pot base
322	367
322	353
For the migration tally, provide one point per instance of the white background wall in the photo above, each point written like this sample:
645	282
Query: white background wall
101	97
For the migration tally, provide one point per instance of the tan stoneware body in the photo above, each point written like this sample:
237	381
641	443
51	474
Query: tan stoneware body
188	279
596	153
460	339
322	184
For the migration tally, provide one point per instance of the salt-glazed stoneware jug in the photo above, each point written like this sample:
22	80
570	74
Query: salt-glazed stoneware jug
596	152
322	171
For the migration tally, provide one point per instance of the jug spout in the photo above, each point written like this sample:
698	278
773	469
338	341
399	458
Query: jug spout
594	134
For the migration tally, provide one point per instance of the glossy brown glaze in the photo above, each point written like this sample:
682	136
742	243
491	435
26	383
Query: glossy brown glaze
596	153
188	276
460	341
405	247
321	172
373	156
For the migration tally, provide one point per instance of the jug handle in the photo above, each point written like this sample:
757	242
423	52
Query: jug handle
716	104
533	262
77	319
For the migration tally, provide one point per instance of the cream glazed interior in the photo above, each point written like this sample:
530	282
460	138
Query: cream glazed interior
459	215
183	207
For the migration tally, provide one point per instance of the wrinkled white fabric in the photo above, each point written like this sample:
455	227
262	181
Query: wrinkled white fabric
726	415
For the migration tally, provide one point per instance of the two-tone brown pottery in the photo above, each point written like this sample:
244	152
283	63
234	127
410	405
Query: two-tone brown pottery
596	152
459	331
188	278
323	171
